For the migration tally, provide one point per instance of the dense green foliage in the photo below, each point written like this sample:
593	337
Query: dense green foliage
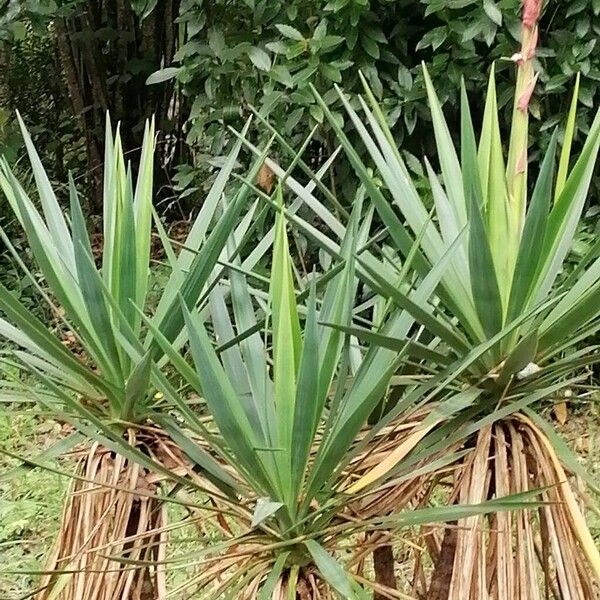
230	55
267	53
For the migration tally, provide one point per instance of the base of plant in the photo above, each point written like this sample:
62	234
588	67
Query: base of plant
247	555
528	554
111	520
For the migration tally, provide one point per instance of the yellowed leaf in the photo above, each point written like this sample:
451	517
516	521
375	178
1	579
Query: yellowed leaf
388	463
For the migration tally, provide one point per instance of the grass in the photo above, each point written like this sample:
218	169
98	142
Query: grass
30	501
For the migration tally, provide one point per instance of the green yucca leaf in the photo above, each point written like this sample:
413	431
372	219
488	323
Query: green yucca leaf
489	282
168	315
316	179
62	280
499	221
304	192
207	465
395	227
417	216
530	248
489	155
96	428
57	225
197	235
522	354
90	286
332	571
137	388
308	399
253	353
574	294
125	266
225	406
413	348
556	328
109	205
368	388
565	155
454	338
266	591
566	212
143	209
287	341
259	325
233	362
398	183
38	338
338	300
484	280
451	168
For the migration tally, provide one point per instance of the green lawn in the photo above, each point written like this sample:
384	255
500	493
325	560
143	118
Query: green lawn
30	501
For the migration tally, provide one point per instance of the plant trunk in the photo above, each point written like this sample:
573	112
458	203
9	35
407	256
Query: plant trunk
383	563
515	554
111	513
439	588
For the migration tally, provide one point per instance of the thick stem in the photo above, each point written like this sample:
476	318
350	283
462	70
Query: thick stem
383	563
439	588
111	510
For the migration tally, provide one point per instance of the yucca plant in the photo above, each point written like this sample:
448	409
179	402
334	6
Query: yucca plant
289	413
504	288
102	383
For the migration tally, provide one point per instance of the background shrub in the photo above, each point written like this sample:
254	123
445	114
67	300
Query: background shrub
267	53
227	55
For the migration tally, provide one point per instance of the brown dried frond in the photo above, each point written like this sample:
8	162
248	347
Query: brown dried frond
111	513
529	554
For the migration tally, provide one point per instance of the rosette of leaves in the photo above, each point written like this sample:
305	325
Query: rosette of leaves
501	289
94	366
289	410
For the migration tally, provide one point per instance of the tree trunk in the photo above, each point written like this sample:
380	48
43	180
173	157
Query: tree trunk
383	563
105	76
75	95
5	96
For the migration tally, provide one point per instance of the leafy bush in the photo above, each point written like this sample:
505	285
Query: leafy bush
268	52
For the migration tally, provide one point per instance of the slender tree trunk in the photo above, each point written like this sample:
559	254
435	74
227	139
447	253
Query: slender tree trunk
98	76
439	588
76	98
383	563
5	96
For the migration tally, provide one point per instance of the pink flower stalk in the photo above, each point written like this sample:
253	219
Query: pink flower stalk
531	12
526	80
525	97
